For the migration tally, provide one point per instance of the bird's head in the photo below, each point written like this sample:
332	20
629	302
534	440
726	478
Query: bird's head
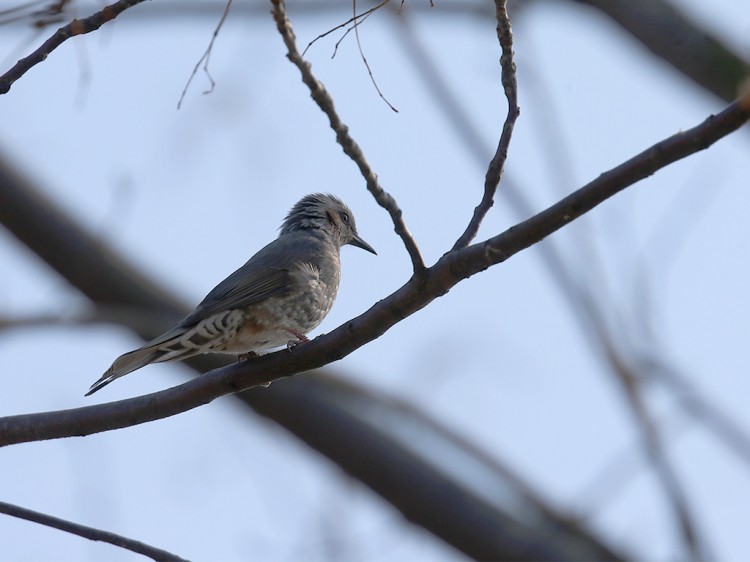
327	213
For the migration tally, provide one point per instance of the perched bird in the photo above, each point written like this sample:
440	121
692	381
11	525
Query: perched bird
281	293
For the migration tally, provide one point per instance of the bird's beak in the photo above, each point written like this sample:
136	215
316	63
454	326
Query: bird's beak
359	243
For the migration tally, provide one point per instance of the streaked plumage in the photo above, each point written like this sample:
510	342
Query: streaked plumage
281	293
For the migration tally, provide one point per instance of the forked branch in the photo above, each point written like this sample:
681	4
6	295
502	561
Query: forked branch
76	27
350	146
510	87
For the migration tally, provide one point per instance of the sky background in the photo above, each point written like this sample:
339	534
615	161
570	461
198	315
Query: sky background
189	195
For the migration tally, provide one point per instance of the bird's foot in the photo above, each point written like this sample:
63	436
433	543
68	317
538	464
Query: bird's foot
301	338
246	356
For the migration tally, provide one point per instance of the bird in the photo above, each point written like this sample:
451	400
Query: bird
278	296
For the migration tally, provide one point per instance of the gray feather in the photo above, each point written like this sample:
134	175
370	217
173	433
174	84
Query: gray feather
302	264
125	364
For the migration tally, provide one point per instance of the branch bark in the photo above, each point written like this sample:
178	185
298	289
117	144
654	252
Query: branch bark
417	293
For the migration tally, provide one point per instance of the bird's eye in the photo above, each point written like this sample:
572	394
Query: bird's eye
345	218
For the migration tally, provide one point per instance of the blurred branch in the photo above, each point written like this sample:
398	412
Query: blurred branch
348	144
670	35
492	511
88	532
366	453
129	316
76	27
630	383
510	87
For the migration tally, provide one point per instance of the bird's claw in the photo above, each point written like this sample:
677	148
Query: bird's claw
301	338
246	356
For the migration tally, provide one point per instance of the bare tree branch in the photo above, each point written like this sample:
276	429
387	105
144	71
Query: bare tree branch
76	27
417	293
510	86
89	532
351	148
310	407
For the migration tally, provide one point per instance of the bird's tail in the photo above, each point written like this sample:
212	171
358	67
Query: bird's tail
127	363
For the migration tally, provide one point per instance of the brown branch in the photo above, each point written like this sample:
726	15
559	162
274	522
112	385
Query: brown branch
88	532
510	87
76	27
348	144
309	407
417	293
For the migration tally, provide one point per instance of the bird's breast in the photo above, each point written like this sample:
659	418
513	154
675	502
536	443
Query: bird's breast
273	322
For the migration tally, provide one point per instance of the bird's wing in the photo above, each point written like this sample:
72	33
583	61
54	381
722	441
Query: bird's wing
242	289
272	272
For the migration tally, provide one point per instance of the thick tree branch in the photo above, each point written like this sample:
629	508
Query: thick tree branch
89	532
324	100
417	293
391	471
510	87
76	27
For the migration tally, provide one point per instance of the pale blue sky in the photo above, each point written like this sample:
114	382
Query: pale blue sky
189	195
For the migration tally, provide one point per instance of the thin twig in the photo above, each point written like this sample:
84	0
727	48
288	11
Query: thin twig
88	532
350	147
364	60
346	33
364	15
510	87
75	27
206	57
355	20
